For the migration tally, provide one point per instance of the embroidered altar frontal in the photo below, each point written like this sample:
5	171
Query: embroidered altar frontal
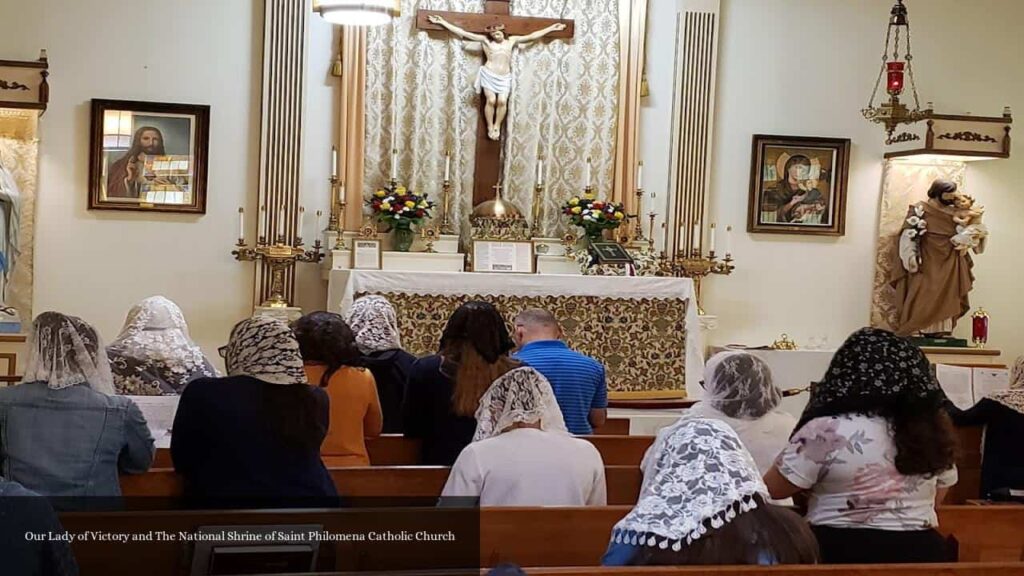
644	340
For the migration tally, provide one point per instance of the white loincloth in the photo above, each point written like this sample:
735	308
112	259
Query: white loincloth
500	84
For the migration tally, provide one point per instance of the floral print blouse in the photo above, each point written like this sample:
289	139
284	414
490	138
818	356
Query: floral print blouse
847	464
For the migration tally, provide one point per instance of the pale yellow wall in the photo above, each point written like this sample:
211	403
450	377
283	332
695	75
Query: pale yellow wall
97	264
806	67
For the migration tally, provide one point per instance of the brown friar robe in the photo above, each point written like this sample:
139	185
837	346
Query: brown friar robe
939	290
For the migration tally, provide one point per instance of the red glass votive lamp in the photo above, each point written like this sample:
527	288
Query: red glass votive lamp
894	82
979	328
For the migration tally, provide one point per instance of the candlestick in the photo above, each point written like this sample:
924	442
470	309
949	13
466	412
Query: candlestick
728	241
241	226
394	163
640	176
447	166
334	162
262	224
711	239
587	174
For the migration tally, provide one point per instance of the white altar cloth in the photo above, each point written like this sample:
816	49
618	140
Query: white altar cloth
345	284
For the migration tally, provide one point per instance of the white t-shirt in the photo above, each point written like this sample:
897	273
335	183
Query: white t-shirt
529	467
848	464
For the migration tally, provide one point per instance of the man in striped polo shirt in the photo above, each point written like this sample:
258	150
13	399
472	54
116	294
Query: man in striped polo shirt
577	379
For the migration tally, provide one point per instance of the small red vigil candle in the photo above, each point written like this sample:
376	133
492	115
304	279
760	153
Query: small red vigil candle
894	83
979	327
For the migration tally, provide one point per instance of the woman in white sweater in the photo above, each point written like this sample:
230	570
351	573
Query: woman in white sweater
522	454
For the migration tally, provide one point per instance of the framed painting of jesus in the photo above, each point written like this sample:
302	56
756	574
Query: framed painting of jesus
798	185
148	156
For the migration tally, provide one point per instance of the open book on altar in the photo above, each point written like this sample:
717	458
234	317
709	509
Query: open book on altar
966	386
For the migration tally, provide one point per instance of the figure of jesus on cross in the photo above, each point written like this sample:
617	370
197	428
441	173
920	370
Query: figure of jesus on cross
495	76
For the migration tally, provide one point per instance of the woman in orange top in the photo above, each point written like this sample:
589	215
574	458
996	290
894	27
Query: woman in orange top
331	360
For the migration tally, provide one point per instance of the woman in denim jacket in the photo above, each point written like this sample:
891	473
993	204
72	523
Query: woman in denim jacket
63	432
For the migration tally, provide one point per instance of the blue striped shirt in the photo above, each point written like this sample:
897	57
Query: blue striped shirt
577	379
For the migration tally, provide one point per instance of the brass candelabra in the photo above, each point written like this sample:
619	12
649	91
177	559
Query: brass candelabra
337	219
537	210
446	201
696	266
280	256
638	233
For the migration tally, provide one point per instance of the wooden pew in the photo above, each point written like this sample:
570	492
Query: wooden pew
962	569
395	450
381	482
538	537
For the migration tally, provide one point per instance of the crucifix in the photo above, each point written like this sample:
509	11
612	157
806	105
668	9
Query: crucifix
499	33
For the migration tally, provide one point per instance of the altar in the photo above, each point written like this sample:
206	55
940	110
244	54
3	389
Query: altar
644	329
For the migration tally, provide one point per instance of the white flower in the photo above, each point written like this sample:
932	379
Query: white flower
914	221
912	233
919	210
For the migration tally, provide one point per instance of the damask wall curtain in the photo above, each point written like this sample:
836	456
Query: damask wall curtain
633	29
19	155
564	105
351	68
903	183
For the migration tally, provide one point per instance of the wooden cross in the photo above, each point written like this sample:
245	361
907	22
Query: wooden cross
488	152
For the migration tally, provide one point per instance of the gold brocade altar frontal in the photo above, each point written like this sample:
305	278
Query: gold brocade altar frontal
641	342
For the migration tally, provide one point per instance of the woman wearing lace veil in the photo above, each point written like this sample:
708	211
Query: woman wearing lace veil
738	390
64	432
522	454
703	502
375	324
1002	415
154	354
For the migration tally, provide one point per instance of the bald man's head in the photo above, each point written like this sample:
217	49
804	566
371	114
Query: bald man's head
535	324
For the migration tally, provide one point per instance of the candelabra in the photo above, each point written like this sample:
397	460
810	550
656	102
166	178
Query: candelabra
638	234
537	210
650	234
279	256
696	266
446	201
337	219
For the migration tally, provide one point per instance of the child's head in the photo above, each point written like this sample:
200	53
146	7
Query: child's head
963	201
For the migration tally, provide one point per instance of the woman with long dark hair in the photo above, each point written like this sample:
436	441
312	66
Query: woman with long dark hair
703	502
875	451
444	390
256	433
332	362
375	324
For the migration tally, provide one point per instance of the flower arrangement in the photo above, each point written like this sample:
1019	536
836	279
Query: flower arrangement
399	207
594	216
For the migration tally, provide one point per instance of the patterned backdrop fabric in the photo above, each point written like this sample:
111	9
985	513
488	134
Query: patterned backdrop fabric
642	342
563	105
903	184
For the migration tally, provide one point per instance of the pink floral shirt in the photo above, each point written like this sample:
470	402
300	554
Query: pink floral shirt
847	463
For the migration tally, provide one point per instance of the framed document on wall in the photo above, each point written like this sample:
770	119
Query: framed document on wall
366	254
503	256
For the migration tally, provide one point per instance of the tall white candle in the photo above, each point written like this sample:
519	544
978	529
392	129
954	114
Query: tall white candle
640	175
241	225
262	222
280	221
681	241
447	166
394	163
319	213
587	175
696	236
540	172
334	162
341	194
728	240
711	239
302	218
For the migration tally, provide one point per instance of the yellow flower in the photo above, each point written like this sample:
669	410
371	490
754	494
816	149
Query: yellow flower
410	204
588	196
576	210
619	215
574	201
379	193
400	190
385	206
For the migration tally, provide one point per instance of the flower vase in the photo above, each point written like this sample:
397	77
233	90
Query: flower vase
404	237
594	234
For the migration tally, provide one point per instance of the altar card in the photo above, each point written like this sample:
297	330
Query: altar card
366	254
503	257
